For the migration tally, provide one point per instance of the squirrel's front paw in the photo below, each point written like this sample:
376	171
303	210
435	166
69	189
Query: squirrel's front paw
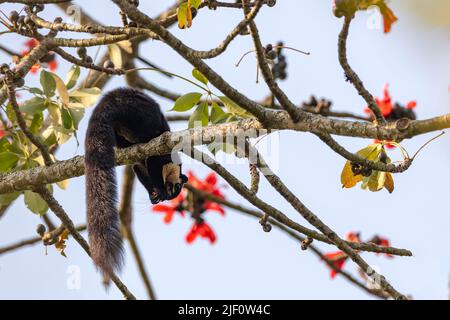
155	197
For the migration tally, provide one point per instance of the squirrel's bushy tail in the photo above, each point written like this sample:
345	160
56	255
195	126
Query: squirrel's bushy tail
102	216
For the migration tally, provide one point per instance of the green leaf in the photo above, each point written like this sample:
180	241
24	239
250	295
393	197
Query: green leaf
200	115
86	96
37	122
4	144
199	76
48	83
55	112
7	198
8	160
77	115
33	106
66	118
186	102
72	77
35	91
217	114
35	203
233	108
196	3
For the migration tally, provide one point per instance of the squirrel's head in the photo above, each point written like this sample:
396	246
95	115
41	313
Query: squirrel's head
173	180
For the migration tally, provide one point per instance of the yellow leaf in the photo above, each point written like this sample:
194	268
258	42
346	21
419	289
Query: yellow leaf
348	178
60	245
115	55
389	183
63	184
184	15
62	89
376	181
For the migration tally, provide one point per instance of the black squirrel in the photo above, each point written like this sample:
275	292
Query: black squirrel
122	118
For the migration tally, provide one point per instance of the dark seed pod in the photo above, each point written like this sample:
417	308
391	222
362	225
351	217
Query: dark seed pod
271	3
366	172
271	55
48	58
21	20
132	24
108	64
40	229
269	47
267	227
28	21
383	157
13	16
4	67
88	59
39	7
82	52
356	168
19	82
58	20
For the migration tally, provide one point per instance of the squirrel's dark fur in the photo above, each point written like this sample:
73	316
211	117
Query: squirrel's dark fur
122	118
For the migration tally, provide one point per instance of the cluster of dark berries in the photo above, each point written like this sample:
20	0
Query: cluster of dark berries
319	106
270	53
21	22
399	112
279	65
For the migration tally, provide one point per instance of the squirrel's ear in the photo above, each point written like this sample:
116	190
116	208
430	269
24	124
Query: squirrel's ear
184	179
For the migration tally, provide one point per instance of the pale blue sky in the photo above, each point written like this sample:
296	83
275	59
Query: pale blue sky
247	263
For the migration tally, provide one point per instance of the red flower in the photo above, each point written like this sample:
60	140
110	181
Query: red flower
50	58
209	185
2	133
385	103
169	210
203	230
338	258
393	112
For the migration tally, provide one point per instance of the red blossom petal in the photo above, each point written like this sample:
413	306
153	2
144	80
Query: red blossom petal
2	133
31	43
53	65
214	206
200	229
168	217
353	237
411	105
337	259
35	68
389	17
160	207
211	179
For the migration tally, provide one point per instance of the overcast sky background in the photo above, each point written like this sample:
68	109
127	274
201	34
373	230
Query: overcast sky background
247	263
